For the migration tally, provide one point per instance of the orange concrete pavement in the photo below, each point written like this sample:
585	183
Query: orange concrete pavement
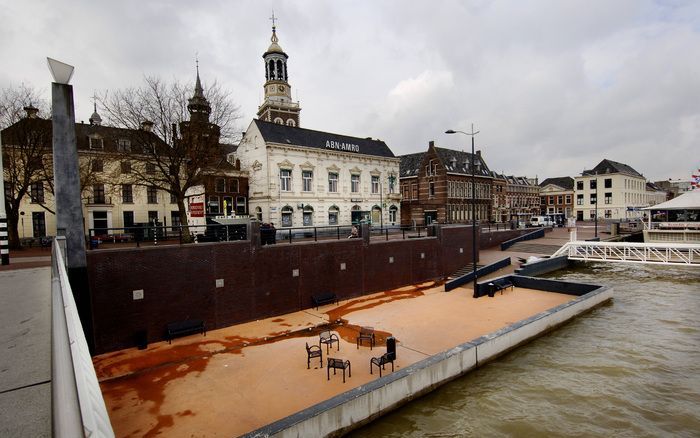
237	379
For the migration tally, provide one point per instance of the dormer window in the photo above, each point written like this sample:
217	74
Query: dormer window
279	120
124	145
96	143
290	122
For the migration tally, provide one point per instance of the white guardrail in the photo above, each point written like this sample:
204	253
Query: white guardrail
78	409
687	254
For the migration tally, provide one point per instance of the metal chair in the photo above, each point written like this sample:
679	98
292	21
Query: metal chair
366	333
328	338
311	352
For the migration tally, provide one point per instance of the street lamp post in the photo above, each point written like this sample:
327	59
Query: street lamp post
471	134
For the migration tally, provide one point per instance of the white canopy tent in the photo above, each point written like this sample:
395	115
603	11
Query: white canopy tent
686	201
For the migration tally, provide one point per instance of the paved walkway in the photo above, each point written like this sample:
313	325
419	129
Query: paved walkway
25	352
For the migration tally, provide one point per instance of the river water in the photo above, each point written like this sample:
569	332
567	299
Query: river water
630	368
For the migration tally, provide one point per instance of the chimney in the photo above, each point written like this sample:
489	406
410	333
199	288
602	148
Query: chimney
147	125
431	144
478	153
31	111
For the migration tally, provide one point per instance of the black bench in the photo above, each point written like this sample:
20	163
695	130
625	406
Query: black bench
338	364
325	298
500	284
186	327
381	361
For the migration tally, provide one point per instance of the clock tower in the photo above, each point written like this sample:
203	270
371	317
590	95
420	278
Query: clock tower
278	106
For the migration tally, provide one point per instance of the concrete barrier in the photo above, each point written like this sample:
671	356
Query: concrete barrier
360	405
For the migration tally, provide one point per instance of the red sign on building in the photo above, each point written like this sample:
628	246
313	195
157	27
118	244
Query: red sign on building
197	209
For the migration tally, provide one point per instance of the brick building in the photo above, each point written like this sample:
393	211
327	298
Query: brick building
436	186
557	196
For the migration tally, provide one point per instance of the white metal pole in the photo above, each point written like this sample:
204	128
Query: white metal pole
4	237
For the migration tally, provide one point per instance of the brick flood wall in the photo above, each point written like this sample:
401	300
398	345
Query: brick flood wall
179	282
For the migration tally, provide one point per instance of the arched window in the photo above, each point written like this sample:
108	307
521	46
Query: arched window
308	218
279	120
258	213
287	213
280	75
393	210
333	215
376	215
271	69
291	122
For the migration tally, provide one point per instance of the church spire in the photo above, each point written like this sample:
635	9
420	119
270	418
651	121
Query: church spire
95	118
278	106
198	105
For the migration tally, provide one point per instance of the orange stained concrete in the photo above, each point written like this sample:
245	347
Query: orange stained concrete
237	379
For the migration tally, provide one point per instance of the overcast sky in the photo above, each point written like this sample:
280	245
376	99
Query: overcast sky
553	86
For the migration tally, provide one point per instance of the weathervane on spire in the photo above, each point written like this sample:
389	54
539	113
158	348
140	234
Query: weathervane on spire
274	27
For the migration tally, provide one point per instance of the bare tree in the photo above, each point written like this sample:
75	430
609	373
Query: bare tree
186	143
26	141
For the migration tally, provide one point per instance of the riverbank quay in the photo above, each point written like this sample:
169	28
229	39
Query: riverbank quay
252	378
25	343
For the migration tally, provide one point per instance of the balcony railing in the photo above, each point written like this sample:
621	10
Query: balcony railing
99	200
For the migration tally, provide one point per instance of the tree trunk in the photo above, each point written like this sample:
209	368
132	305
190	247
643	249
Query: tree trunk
12	229
186	236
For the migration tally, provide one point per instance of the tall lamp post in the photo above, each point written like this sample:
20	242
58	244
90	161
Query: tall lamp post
471	134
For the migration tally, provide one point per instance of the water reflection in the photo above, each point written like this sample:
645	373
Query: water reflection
630	368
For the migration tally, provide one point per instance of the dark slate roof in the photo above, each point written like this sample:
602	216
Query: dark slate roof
410	164
608	166
458	162
277	133
565	182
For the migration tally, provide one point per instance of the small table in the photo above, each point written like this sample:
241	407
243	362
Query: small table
339	364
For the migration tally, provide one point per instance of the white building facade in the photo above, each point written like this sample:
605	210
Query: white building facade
305	178
613	191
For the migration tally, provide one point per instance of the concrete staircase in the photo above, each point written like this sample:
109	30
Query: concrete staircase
534	248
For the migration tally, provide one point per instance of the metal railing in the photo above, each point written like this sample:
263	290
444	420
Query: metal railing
651	253
78	408
164	235
338	232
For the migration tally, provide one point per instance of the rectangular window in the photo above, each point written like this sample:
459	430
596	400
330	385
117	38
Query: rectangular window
175	220
213	205
152	195
128	219
220	185
550	200
568	199
431	189
579	185
608	214
306	180
593	198
126	166
332	182
38	224
608	197
375	184
414	191
404	192
96	143
593	184
241	205
153	217
124	145
127	194
36	192
97	166
355	183
233	185
173	198
150	168
560	199
608	183
579	199
285	180
98	193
